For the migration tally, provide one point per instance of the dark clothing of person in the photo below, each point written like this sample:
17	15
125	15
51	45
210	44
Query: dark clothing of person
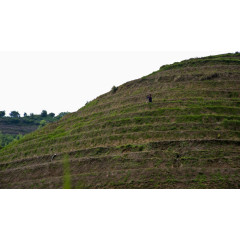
149	97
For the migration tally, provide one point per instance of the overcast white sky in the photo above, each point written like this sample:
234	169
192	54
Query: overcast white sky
57	55
64	81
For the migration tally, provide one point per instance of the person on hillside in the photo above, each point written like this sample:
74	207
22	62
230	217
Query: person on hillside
149	97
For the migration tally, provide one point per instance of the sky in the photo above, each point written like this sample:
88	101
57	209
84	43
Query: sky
56	56
65	81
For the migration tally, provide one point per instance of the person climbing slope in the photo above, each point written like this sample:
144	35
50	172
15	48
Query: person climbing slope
149	97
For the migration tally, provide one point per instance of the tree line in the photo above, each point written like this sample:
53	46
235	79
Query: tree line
44	114
17	121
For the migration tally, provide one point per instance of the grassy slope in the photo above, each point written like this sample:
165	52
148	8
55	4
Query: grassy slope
188	137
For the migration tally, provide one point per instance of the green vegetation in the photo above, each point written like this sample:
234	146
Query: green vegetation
91	104
66	175
44	113
114	89
194	62
231	124
14	126
5	139
189	136
2	114
14	114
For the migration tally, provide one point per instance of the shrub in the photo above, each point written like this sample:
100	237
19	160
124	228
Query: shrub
2	113
114	89
42	123
52	115
44	113
60	115
14	114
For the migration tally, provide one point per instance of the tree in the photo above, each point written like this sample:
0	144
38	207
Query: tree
42	123
52	115
114	89
44	113
25	114
14	114
2	113
60	115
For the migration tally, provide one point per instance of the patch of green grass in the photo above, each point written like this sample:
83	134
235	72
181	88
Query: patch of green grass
231	124
81	185
117	157
171	179
131	147
126	177
200	178
56	134
146	77
158	162
90	104
66	170
99	151
219	177
201	61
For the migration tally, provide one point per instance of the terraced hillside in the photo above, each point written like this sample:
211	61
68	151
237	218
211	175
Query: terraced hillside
189	137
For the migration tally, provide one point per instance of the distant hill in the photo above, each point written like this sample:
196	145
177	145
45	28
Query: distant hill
188	137
15	127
